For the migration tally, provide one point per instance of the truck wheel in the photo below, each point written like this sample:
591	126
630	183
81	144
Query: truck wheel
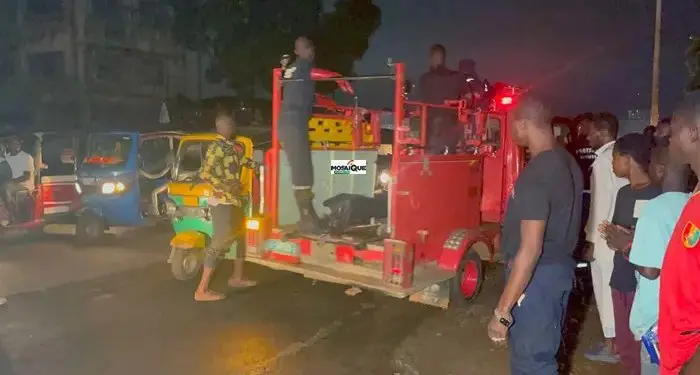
89	229
470	275
185	263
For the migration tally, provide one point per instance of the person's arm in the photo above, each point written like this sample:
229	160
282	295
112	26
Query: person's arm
535	199
603	193
422	86
28	170
650	240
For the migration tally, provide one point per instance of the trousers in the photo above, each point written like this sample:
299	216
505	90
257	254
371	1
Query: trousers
601	271
227	227
628	348
538	320
9	195
294	135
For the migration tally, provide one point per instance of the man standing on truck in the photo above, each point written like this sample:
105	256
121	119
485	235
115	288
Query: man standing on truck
297	104
540	232
436	86
222	169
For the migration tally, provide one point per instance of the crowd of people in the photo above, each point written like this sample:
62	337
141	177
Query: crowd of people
642	241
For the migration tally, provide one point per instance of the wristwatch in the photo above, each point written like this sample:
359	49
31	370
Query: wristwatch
505	319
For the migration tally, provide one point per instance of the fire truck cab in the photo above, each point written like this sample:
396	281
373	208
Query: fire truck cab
443	212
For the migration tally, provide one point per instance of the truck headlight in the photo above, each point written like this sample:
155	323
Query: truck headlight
113	188
384	178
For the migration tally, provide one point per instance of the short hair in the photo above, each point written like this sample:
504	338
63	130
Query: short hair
306	40
225	114
533	110
665	121
438	48
637	146
607	122
584	117
689	110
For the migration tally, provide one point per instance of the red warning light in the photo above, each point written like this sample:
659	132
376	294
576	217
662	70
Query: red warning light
507	100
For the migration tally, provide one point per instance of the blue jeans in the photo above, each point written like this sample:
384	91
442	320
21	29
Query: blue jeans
538	319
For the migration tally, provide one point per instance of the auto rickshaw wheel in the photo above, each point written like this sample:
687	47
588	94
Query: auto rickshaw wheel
89	229
465	287
185	263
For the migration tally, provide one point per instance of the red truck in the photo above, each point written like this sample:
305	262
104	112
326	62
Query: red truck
443	211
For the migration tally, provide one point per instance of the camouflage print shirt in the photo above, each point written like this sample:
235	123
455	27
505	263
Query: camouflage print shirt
222	169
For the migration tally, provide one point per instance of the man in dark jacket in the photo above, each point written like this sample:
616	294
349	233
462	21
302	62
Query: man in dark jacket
436	86
293	128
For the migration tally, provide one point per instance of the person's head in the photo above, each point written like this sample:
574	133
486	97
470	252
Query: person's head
684	143
663	128
437	55
603	130
304	48
658	164
632	153
467	66
14	146
225	124
583	123
531	119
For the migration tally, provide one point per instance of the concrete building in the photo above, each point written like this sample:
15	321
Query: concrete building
69	63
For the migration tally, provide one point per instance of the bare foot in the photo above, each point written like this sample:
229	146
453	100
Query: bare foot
208	296
241	283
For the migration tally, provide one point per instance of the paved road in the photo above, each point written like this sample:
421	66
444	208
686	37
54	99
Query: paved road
117	310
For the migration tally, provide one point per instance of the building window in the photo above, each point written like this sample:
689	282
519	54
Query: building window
41	7
47	65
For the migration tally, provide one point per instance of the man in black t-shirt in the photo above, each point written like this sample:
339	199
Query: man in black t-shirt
293	126
581	148
539	234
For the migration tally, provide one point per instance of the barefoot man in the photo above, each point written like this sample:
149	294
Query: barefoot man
222	169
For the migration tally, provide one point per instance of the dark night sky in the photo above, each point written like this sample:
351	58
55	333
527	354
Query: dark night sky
579	55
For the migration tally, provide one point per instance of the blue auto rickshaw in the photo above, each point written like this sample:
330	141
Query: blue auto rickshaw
122	181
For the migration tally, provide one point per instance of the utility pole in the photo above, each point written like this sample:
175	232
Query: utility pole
654	115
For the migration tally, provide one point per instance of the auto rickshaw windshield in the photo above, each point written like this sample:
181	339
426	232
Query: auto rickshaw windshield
112	149
190	159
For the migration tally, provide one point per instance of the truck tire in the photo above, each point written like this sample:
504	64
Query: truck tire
185	263
465	287
89	229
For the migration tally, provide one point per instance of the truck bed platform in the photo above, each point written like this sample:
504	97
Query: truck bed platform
424	276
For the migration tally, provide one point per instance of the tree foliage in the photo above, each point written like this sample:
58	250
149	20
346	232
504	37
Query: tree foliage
245	38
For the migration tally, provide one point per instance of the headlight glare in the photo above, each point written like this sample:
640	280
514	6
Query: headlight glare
113	188
384	178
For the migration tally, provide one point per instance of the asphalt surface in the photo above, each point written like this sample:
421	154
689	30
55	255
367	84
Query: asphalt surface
116	309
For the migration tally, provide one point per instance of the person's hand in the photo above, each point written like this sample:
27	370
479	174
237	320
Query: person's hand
498	333
603	227
618	237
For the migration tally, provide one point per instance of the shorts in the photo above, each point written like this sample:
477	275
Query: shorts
227	227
